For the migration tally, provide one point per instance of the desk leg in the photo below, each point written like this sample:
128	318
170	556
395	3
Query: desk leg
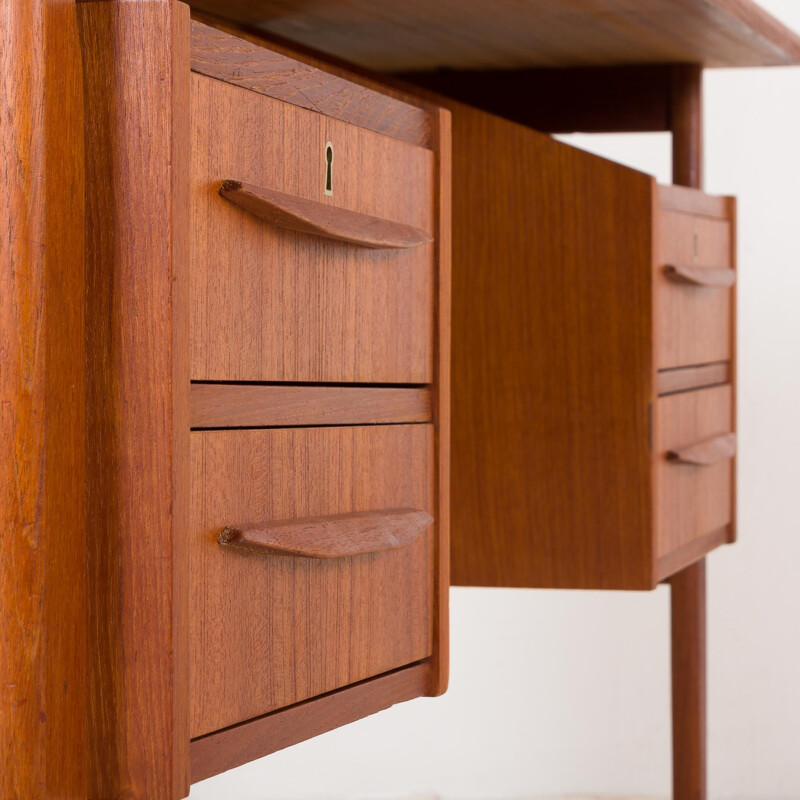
689	683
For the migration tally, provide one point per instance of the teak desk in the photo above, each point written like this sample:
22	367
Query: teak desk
225	321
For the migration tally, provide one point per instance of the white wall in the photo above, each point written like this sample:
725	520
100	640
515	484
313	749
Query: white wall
554	693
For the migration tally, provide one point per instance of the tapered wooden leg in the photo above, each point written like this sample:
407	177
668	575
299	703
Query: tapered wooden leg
688	586
689	683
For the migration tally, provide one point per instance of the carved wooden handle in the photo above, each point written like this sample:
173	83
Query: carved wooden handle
712	277
321	219
707	452
336	536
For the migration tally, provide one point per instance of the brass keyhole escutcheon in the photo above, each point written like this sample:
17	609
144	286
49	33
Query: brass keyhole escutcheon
329	169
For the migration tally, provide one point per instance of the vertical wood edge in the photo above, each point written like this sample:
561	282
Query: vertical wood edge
136	82
22	400
65	593
441	657
181	246
217	39
688	587
734	370
653	389
42	594
686	122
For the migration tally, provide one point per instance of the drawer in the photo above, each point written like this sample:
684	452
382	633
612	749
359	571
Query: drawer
269	629
695	451
277	303
693	281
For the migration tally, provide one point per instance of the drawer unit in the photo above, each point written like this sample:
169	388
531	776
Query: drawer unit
286	299
593	340
272	626
318	352
268	265
693	278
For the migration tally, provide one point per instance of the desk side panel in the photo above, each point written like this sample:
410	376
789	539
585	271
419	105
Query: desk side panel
551	362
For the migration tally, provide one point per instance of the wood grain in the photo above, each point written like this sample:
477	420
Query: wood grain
64	445
357	533
42	591
317	219
244	61
692	500
23	556
225	405
180	173
270	632
370	171
552	358
136	71
274	305
256	738
686	378
396	35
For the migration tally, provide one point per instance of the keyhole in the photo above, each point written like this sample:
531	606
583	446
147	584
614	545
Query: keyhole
696	246
329	169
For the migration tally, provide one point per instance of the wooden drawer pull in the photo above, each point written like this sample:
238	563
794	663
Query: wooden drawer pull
321	219
705	453
711	277
337	536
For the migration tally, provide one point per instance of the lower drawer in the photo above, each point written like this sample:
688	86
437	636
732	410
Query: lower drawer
694	467
269	630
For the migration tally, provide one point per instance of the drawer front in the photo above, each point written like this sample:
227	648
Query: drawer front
272	304
694	466
271	630
693	321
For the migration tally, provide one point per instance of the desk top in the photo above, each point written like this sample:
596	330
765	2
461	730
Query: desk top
403	35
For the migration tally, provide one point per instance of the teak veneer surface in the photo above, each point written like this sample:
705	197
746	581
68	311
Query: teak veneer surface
693	323
395	35
563	316
552	335
391	160
255	738
43	685
95	606
225	405
248	59
136	83
270	631
693	500
270	304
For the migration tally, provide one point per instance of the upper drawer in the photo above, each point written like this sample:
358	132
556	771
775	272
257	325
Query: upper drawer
270	629
693	278
273	304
